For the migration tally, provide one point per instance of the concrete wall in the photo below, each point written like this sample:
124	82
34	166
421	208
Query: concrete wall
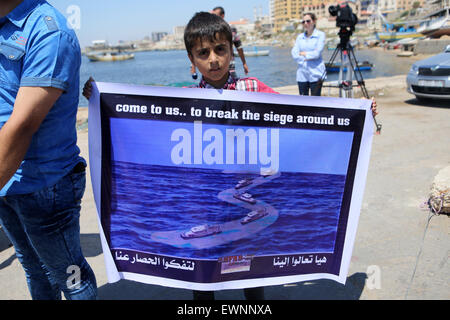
431	46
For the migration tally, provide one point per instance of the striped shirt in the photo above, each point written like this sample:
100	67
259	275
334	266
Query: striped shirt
241	84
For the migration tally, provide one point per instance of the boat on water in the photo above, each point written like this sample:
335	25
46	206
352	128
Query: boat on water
246	197
437	21
390	36
254	215
201	231
334	67
110	56
253	53
394	31
243	183
405	54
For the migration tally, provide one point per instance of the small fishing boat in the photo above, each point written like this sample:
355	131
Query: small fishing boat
405	54
110	56
253	53
397	30
437	22
390	36
334	67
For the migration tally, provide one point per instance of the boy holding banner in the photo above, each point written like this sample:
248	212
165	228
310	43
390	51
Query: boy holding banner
208	40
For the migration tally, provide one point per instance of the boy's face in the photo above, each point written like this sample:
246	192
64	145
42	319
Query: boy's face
212	60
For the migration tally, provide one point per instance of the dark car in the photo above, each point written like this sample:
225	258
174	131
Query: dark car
430	78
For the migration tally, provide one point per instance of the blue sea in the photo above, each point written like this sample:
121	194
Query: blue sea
172	68
149	198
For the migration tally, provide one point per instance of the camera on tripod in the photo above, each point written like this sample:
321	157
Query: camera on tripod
345	18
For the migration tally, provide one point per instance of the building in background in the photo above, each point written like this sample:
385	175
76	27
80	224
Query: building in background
409	4
286	14
158	36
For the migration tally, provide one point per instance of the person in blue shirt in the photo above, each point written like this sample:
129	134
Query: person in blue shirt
307	52
42	176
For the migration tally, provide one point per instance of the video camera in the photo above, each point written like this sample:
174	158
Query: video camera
345	18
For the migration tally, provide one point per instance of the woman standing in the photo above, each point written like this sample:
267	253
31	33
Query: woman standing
307	52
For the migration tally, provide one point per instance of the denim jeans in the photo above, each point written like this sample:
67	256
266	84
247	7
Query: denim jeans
304	87
44	229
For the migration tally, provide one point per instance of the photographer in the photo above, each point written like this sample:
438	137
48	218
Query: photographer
307	52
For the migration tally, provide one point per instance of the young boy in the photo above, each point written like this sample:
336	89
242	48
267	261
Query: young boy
209	40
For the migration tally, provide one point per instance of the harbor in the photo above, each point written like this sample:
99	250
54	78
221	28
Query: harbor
276	70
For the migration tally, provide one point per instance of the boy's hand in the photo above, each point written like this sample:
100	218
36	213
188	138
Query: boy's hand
374	107
87	89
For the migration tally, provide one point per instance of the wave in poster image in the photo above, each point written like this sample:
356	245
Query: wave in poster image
146	199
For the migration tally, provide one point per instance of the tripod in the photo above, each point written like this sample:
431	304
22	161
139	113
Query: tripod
349	66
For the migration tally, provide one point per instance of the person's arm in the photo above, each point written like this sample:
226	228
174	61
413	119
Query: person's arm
238	45
317	52
295	52
242	56
30	108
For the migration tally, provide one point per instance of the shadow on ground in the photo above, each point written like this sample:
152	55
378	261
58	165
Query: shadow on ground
4	241
91	244
434	103
309	290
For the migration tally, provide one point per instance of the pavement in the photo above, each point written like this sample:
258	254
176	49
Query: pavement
401	250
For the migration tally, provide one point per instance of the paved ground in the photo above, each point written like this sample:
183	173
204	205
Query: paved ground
400	252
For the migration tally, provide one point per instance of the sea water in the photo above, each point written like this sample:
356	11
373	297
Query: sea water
149	198
172	68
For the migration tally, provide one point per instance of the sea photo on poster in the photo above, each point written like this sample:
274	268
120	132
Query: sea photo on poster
207	209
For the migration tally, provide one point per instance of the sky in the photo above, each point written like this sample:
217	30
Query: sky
115	20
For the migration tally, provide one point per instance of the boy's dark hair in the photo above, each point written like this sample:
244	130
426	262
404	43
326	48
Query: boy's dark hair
222	11
208	26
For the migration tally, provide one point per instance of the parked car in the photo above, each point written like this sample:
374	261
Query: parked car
430	78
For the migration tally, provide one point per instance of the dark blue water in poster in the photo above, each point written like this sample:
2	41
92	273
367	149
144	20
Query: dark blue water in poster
151	198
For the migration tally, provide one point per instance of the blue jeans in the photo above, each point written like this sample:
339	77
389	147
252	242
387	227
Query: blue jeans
44	229
304	87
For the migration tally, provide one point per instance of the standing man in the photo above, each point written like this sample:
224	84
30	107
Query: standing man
42	176
236	42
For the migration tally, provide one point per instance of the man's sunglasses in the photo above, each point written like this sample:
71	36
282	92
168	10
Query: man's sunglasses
306	21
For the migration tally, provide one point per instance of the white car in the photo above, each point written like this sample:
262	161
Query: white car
430	78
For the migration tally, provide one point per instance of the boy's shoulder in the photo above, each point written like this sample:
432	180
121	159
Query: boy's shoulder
252	84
